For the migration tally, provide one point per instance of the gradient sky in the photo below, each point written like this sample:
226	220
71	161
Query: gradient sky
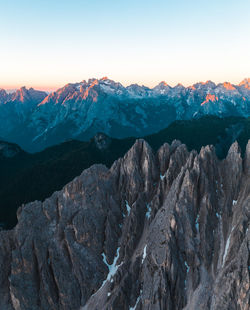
48	43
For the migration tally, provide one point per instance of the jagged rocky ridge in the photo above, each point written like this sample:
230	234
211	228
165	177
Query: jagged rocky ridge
35	120
37	176
165	230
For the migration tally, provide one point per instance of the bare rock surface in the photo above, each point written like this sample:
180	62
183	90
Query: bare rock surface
155	231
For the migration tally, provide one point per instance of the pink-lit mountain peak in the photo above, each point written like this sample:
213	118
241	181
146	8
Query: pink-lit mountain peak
210	98
245	83
228	86
23	94
207	82
162	88
163	83
57	97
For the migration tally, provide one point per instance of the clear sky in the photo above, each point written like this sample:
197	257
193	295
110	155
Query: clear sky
48	43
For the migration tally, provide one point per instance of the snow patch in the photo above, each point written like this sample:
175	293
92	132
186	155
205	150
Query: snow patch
149	209
128	207
112	268
162	176
188	268
218	215
226	247
197	223
137	302
107	88
144	253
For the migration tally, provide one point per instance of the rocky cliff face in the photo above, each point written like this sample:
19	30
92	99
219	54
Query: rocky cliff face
156	231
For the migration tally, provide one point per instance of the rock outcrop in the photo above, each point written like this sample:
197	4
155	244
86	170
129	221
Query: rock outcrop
155	231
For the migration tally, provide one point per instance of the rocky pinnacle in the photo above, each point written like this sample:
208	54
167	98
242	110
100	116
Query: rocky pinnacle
166	230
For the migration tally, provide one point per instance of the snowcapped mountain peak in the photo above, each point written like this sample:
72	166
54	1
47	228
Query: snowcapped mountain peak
163	83
92	80
136	90
162	88
115	86
82	91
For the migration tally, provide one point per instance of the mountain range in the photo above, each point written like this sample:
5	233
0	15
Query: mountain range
35	120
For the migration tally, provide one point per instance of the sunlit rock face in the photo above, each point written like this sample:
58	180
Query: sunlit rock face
245	83
35	120
166	230
211	98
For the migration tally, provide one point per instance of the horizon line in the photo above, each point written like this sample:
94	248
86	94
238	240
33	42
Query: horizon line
10	89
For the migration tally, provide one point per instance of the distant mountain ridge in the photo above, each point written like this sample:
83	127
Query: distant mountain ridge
36	120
